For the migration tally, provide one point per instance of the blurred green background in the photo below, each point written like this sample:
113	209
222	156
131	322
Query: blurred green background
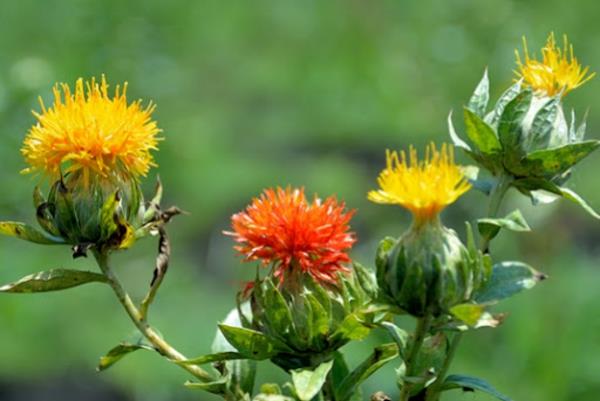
264	93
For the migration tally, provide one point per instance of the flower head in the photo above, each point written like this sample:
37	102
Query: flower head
558	70
283	228
423	187
89	132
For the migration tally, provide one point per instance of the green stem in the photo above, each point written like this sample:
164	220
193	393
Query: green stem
434	391
423	326
147	331
496	198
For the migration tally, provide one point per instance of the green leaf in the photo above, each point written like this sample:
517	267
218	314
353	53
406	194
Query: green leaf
215	387
240	373
481	134
543	124
513	221
574	197
459	143
308	383
217	357
509	126
114	355
468	313
508	279
53	280
551	162
26	232
250	343
366	279
380	356
481	96
472	383
400	336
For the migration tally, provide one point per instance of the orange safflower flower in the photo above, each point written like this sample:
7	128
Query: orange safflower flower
284	229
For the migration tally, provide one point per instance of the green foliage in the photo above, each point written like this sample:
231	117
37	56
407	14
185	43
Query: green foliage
472	383
508	278
53	280
115	354
514	221
307	383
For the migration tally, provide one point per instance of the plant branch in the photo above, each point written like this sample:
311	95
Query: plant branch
496	198
423	326
147	331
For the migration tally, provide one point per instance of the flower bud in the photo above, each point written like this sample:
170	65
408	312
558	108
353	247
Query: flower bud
525	138
101	212
428	270
308	321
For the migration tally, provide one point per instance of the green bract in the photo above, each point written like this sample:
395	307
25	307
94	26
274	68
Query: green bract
106	214
301	323
429	270
526	138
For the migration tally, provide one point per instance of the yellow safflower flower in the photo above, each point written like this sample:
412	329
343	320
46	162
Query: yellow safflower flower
88	132
558	70
423	187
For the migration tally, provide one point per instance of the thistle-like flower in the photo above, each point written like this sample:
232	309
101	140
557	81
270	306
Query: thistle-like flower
557	72
525	138
424	188
427	269
93	148
311	303
89	133
281	227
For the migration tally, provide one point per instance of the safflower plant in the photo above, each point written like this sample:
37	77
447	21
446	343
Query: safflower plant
309	298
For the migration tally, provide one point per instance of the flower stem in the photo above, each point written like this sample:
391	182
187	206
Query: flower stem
147	331
423	326
496	198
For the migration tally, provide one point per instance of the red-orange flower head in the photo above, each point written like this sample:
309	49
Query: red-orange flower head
283	228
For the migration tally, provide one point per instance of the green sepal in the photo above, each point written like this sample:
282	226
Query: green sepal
551	162
508	279
380	356
481	134
481	96
250	343
66	219
308	383
27	233
472	384
115	354
53	280
514	221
